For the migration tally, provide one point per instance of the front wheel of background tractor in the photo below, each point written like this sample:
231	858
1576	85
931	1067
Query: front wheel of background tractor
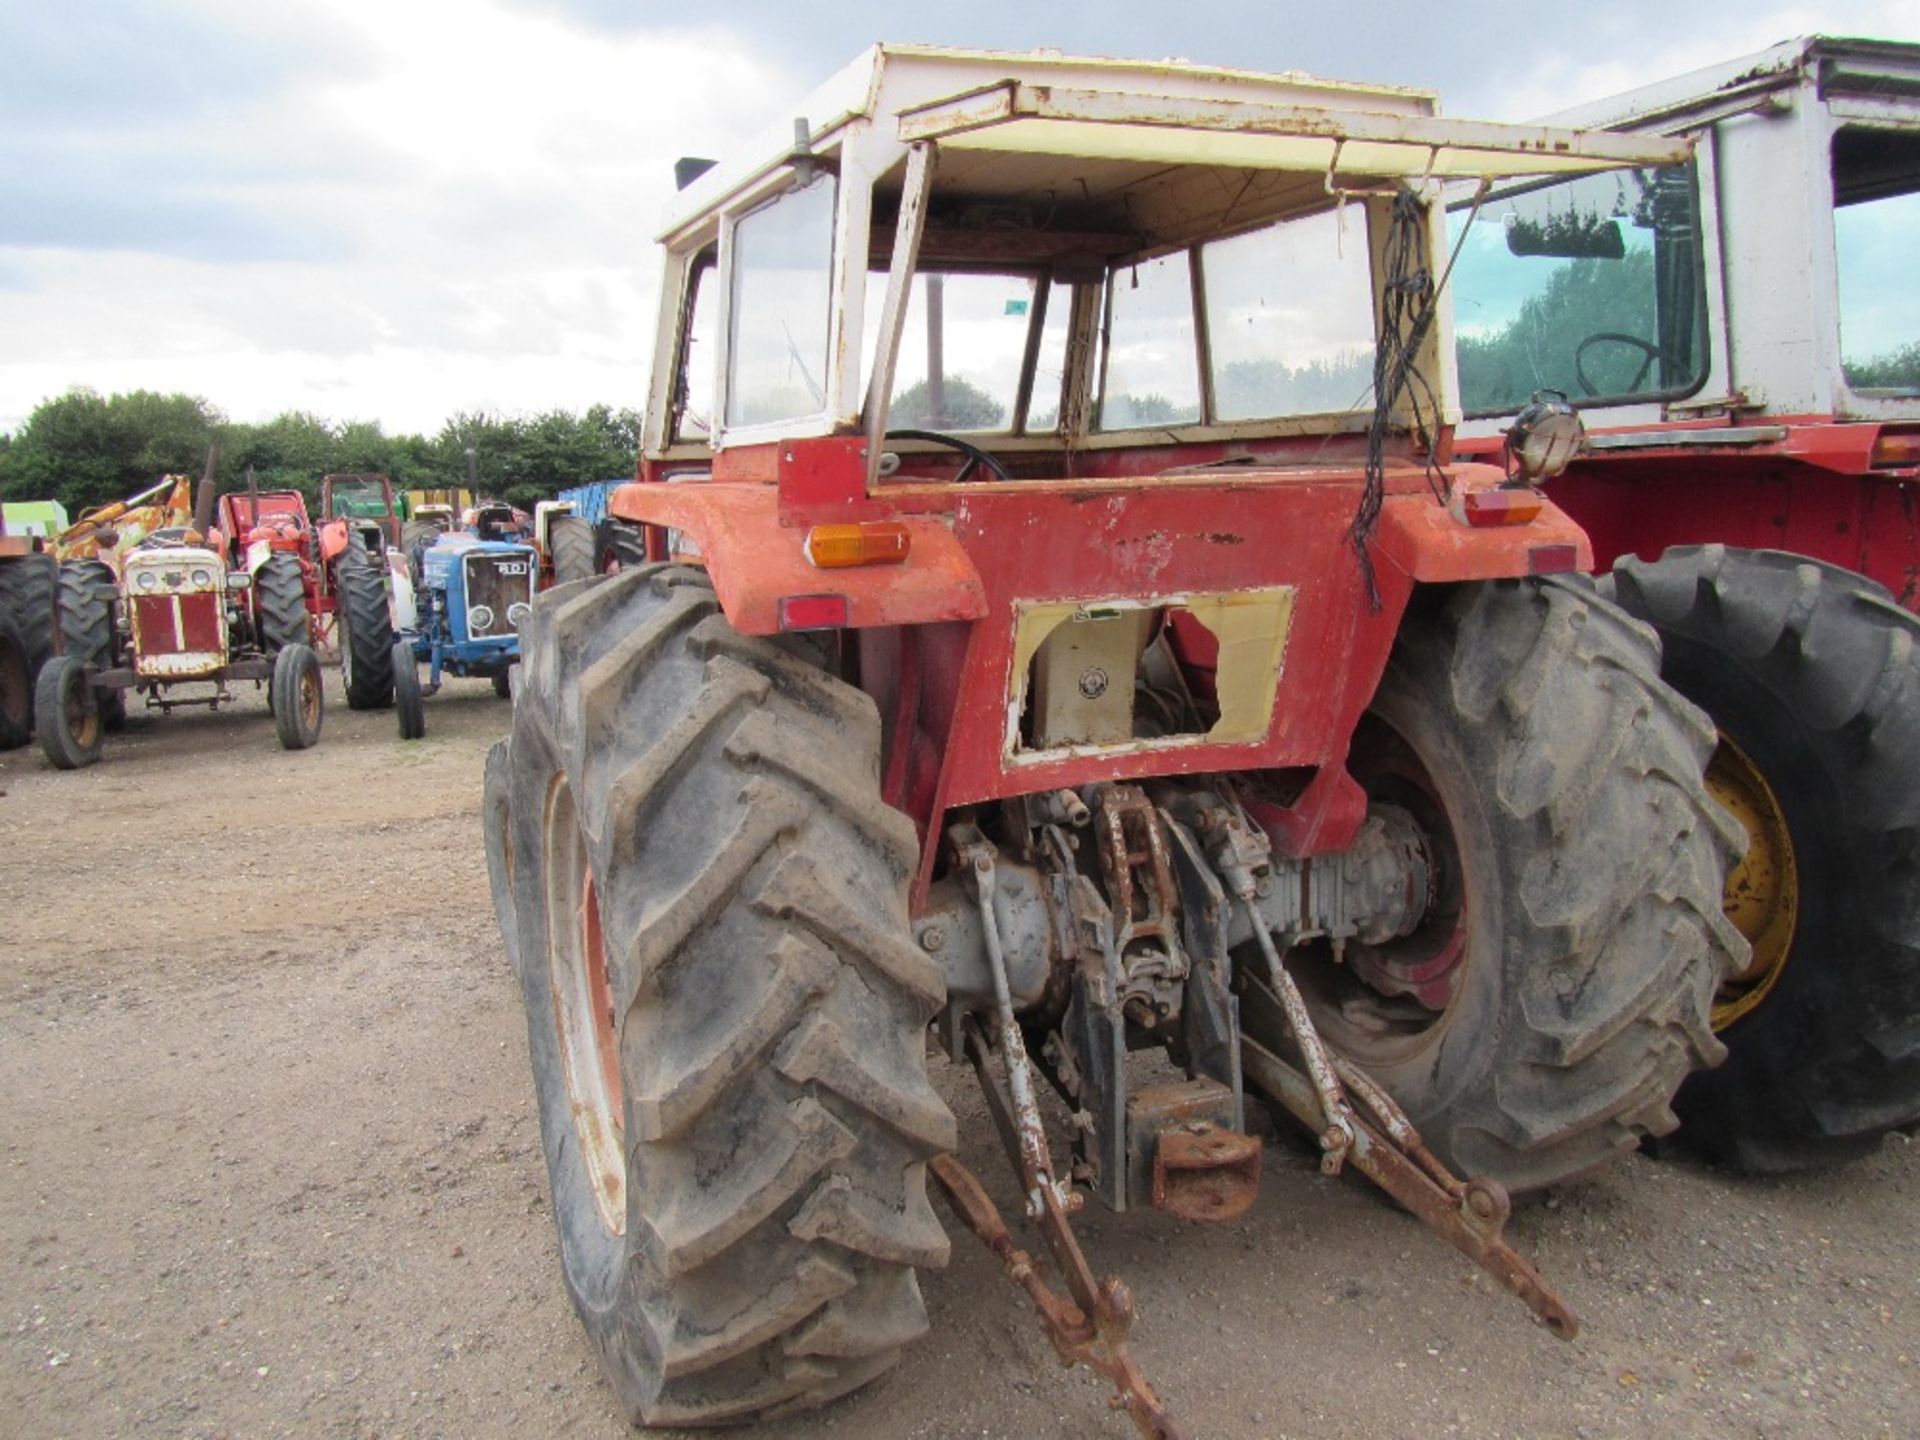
1540	1018
90	627
280	603
1812	674
503	684
297	697
408	702
571	542
66	714
726	1013
27	586
365	630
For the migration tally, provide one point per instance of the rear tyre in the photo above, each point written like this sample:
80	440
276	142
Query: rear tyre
1812	674
420	532
618	547
408	701
1569	959
297	697
280	602
90	628
726	1014
16	688
66	715
366	632
571	542
27	587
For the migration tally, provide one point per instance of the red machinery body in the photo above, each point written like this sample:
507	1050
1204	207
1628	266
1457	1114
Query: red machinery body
936	634
1835	490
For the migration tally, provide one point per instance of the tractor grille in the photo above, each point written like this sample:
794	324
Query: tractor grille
500	583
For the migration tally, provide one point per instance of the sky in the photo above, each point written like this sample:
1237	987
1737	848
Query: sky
399	209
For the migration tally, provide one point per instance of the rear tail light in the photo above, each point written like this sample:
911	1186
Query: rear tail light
874	542
1896	447
1487	508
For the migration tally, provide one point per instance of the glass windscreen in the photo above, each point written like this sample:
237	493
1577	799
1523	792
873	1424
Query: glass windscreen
1152	371
693	402
782	297
1590	287
1290	318
960	351
1876	215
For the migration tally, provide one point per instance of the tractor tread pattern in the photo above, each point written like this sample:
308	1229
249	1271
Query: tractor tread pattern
1613	859
365	626
1831	1061
281	603
28	584
779	1113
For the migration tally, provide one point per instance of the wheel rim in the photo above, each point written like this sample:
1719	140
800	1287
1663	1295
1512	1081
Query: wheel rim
1384	1003
583	1008
309	697
83	720
346	657
1762	897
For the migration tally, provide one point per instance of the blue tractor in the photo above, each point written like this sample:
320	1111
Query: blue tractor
472	590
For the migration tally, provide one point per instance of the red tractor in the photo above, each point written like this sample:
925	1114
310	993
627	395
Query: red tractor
341	573
1063	624
1740	335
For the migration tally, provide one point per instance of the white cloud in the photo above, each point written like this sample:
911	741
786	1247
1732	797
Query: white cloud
491	178
394	209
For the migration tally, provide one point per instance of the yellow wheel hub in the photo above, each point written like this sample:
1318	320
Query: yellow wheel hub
1763	891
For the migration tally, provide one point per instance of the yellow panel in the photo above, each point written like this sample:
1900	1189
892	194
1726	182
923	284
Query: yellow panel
1251	627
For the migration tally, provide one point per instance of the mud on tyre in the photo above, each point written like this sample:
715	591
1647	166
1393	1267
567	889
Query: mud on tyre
706	902
1812	674
1578	867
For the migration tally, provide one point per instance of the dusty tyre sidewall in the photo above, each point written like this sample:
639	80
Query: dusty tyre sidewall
295	666
409	703
593	1261
1463	1055
1592	862
52	694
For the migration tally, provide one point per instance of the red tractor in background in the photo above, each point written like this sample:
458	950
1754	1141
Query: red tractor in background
1741	336
1035	638
339	574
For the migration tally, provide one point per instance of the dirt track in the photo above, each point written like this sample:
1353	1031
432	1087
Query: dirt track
270	1167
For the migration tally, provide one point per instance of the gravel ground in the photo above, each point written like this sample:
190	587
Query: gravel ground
269	1165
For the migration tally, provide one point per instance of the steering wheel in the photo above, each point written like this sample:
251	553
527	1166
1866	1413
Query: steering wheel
1649	351
975	455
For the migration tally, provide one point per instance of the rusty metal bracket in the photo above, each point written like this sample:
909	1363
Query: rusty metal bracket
1202	1172
1088	1329
1469	1215
1335	1122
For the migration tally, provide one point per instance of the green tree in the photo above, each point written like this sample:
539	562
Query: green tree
964	405
1896	370
83	449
